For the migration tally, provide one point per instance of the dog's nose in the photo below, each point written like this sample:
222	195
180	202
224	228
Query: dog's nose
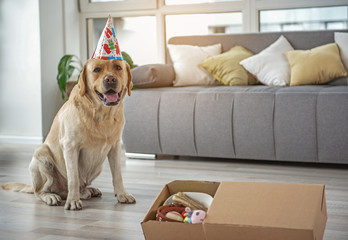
110	79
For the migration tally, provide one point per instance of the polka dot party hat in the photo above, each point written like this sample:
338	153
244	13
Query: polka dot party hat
107	47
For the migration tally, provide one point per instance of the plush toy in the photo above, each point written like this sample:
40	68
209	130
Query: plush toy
194	217
186	212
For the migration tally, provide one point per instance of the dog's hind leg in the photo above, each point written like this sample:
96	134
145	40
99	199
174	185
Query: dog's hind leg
43	172
90	192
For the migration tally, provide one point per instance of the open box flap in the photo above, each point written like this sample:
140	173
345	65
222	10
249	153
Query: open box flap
193	186
161	197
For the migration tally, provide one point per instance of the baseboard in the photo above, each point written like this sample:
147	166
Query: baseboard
140	155
20	140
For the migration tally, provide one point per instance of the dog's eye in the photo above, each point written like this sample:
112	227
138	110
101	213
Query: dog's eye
118	67
97	69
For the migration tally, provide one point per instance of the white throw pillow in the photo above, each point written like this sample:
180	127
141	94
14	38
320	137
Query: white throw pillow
342	41
186	60
270	66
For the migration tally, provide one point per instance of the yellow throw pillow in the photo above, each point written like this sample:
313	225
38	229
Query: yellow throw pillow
225	67
316	66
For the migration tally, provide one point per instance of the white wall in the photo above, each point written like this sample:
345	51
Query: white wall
59	34
34	35
72	27
20	84
52	49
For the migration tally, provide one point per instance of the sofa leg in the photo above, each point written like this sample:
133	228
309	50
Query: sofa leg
140	155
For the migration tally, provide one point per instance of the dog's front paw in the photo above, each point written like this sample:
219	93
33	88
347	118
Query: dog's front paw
73	205
125	198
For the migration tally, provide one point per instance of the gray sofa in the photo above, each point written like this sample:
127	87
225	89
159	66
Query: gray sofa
301	123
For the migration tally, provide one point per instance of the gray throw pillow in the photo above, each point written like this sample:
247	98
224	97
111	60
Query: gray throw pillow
343	81
153	75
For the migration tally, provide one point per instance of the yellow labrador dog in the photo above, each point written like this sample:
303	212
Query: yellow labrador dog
85	131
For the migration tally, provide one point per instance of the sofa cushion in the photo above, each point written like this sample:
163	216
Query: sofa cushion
185	61
226	68
332	130
316	66
270	65
153	75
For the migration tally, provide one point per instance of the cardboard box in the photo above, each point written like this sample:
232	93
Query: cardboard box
246	211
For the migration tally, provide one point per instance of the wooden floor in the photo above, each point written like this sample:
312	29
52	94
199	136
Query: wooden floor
24	217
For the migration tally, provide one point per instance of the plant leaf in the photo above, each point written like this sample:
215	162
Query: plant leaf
128	59
64	62
65	70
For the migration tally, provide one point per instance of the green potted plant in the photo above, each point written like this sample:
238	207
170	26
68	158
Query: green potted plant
66	67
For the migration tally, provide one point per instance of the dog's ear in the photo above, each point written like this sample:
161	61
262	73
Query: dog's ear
130	83
82	81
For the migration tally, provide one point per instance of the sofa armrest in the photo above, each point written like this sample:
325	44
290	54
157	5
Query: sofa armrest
153	75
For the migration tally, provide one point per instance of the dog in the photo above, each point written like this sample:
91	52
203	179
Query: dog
85	131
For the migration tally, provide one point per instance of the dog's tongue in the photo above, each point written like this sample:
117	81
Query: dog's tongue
111	97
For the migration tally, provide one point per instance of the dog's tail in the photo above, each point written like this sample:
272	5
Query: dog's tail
18	187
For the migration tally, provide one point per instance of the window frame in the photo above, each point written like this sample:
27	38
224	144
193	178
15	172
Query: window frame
88	7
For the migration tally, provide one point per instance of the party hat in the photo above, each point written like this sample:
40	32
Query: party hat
108	47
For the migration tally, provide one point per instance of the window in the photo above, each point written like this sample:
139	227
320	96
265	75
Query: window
144	26
135	35
322	18
199	24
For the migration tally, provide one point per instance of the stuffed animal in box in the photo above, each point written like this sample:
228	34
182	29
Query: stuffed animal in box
195	216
